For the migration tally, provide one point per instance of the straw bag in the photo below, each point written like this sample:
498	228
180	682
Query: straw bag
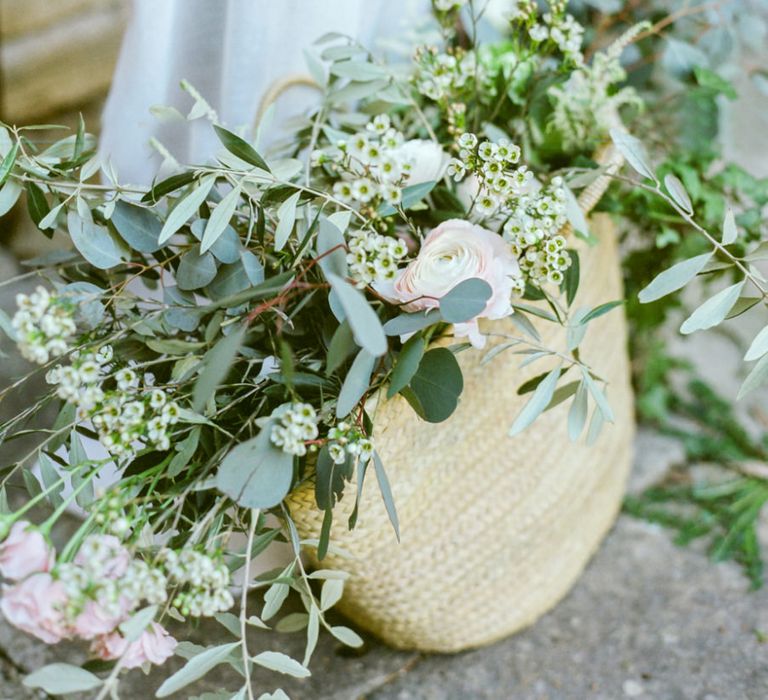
494	530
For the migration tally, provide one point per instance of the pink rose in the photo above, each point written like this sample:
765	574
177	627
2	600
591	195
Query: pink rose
453	252
96	620
25	551
154	645
35	606
105	554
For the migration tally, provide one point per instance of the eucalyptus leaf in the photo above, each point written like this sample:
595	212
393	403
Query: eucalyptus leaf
195	270
137	226
133	627
437	384
329	479
356	383
256	473
411	196
96	243
363	320
341	347
408	361
358	70
465	301
713	311
331	593
216	364
330	238
410	323
599	396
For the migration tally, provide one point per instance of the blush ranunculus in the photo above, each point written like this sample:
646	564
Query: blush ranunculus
154	645
35	606
453	252
25	551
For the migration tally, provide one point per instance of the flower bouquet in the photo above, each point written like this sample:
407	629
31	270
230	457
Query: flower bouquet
403	288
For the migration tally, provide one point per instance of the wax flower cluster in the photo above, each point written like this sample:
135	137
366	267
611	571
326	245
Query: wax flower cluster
345	440
373	257
130	415
44	325
296	425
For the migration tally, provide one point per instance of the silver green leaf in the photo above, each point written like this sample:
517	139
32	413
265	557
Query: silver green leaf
759	346
356	383
61	679
713	311
186	208
256	473
676	277
633	150
365	324
196	668
537	403
96	243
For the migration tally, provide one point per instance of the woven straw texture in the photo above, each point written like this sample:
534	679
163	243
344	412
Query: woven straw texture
494	530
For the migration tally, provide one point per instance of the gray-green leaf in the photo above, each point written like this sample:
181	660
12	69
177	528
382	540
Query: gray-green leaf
256	473
282	663
759	346
185	208
356	383
196	668
677	191
286	218
365	324
634	151
220	218
537	403
97	244
195	270
137	226
465	301
730	232
60	679
676	277
713	311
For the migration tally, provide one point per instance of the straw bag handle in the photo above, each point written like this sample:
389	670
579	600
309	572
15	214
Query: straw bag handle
280	87
608	156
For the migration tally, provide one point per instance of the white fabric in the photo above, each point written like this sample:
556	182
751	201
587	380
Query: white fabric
231	51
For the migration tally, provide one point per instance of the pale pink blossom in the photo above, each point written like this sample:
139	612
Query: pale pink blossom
154	645
25	551
35	606
455	251
95	619
104	553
